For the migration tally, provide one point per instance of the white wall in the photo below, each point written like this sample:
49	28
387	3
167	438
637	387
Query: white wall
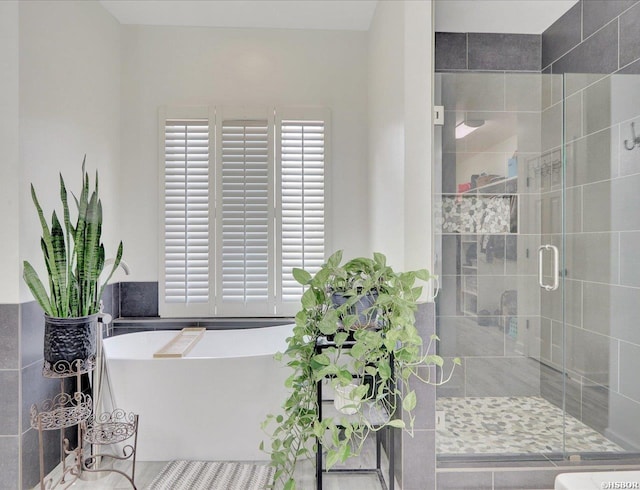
418	105
400	132
9	168
386	131
69	105
199	66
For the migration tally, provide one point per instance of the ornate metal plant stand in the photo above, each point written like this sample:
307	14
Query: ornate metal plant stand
60	413
111	428
65	411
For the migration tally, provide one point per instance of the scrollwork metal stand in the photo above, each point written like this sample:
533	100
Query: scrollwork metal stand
62	412
111	428
68	410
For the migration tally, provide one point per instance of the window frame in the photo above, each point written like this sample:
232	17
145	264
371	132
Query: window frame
276	306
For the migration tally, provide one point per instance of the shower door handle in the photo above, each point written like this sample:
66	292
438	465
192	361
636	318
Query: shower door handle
556	265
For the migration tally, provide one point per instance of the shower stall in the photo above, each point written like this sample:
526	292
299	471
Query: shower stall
537	212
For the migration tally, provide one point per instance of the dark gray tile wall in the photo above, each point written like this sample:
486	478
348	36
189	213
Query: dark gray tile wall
508	52
9	396
487	52
138	299
415	456
563	35
9	462
594	36
598	13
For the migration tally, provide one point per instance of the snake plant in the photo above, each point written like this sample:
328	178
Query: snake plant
73	254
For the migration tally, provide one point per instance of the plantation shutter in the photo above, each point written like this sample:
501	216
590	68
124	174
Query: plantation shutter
186	212
245	218
302	208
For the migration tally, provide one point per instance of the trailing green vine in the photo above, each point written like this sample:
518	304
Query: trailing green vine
362	313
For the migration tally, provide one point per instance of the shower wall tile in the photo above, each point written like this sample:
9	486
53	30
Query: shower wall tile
631	69
551	131
9	462
574	82
545	339
503	51
594	257
563	35
609	204
473	91
612	310
528	131
552	385
418	465
9	331
449	173
573	117
522	480
593	158
597	54
9	387
587	354
528	295
32	332
551	302
625	99
552	211
138	299
30	456
35	389
465	480
523	92
490	290
595	407
629	161
455	387
597	107
449	259
597	14
515	376
629	22
451	51
463	337
623	421
446	302
629	369
630	259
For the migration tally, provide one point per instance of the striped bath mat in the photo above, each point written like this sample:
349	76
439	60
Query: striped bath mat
212	475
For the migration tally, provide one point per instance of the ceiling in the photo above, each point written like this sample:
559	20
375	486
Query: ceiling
500	16
276	14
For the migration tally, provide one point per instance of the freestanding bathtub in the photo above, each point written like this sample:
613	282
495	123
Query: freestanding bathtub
598	480
206	406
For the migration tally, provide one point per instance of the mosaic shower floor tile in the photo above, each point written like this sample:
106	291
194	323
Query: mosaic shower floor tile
512	425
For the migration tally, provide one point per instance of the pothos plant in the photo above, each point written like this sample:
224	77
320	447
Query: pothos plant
362	316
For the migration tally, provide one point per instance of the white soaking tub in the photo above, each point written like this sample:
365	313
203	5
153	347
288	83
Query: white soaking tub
598	480
206	406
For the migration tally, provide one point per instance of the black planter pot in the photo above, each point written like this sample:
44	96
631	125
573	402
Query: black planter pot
68	339
365	318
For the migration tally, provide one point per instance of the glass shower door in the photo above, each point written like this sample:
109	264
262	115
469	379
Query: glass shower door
602	338
499	244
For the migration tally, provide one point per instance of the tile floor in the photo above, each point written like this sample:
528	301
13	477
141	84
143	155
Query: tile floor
512	425
146	471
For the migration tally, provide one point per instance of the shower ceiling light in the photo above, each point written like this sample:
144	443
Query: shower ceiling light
467	126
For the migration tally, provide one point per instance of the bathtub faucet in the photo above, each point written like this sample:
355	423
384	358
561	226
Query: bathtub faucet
122	264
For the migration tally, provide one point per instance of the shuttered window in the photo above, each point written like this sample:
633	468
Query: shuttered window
302	162
186	211
246	214
243	202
